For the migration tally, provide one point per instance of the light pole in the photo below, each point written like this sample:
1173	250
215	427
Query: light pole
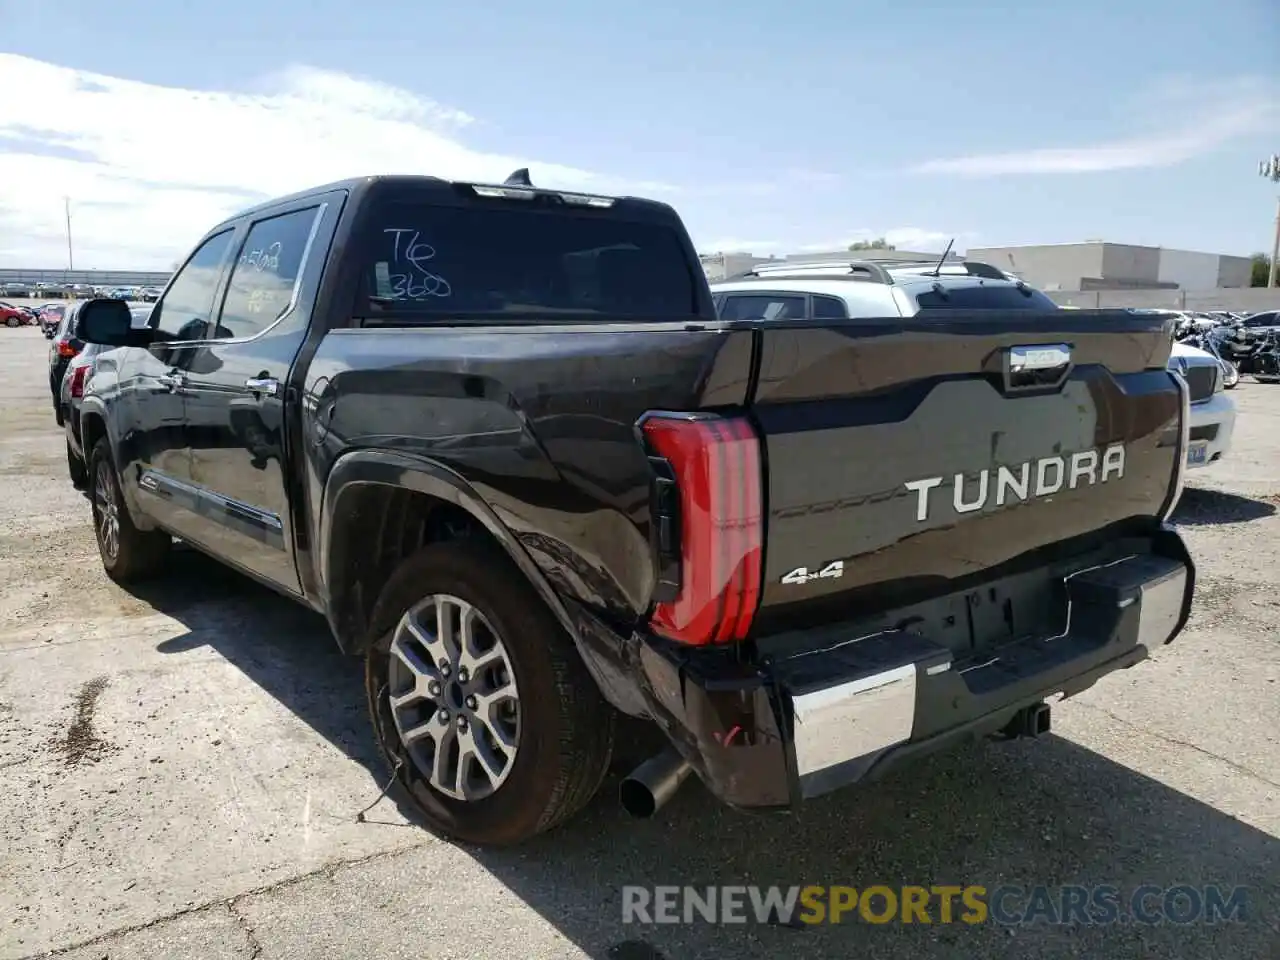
71	263
1270	168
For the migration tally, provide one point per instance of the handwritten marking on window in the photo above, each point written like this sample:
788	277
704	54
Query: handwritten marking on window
416	281
264	260
261	300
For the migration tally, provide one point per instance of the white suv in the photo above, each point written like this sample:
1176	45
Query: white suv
873	289
870	288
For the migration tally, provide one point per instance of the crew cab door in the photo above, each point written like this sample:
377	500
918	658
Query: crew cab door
239	391
155	447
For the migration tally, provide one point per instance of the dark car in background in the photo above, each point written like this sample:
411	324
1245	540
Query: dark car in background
66	344
1261	321
59	290
71	392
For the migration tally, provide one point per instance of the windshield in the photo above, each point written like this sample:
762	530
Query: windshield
1003	297
510	260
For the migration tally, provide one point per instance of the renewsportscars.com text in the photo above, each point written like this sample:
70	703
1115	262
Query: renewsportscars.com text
1006	905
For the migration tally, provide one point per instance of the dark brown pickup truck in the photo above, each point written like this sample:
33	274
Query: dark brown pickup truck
499	437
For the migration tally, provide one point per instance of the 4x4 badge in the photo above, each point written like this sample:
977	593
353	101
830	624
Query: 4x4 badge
801	575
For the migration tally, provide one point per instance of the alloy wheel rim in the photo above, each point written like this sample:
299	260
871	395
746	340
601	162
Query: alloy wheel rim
453	697
107	514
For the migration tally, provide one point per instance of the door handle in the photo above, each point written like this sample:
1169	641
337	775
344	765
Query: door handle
268	386
171	382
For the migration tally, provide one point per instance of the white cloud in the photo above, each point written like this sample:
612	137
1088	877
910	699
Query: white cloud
149	168
1184	120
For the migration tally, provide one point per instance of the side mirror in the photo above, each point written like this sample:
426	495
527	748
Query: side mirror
107	323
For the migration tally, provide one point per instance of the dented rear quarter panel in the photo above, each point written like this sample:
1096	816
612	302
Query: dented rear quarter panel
538	421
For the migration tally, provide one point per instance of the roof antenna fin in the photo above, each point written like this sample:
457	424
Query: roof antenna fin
945	253
519	179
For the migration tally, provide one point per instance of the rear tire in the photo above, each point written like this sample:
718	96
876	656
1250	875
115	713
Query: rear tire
559	728
77	469
128	554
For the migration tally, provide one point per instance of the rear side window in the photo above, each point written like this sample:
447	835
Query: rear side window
829	308
477	259
266	273
984	298
762	306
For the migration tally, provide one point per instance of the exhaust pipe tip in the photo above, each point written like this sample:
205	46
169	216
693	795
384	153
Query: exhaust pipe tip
648	788
637	799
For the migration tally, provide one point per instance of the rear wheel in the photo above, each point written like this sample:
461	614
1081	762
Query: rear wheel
127	553
480	700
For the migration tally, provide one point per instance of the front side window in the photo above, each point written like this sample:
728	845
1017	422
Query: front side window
263	279
183	314
513	260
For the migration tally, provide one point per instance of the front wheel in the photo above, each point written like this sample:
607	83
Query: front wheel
479	699
127	553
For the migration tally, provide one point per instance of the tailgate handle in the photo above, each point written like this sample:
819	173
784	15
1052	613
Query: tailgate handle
1036	366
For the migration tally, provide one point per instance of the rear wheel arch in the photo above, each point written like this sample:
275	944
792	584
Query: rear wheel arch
379	509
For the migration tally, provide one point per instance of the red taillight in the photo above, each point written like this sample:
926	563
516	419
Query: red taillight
78	376
716	469
65	349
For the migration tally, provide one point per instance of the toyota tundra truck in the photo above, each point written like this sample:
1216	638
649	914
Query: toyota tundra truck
498	436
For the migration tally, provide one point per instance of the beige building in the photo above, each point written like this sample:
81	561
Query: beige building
1097	265
718	266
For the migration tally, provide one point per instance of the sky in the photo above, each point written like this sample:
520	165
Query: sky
771	127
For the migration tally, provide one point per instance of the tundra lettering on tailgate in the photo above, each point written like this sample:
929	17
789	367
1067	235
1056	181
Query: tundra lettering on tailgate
1015	484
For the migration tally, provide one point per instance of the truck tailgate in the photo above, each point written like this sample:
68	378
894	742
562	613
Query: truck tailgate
907	455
